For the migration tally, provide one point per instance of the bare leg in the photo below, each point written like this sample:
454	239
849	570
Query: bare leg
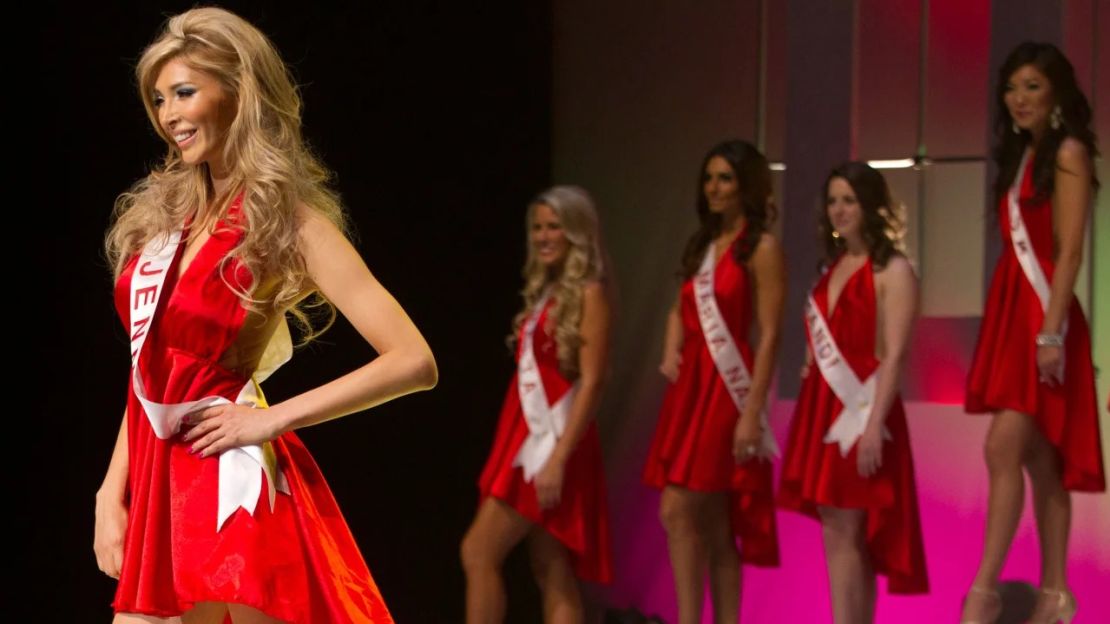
680	512
724	559
242	614
135	618
851	576
1008	442
203	613
497	528
1052	505
554	573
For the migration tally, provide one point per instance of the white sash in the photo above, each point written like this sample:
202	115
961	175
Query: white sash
240	480
856	398
1023	247
546	422
722	348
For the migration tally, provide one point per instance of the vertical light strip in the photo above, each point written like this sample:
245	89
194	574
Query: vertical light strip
853	131
1093	240
1100	250
922	77
1099	310
922	175
761	88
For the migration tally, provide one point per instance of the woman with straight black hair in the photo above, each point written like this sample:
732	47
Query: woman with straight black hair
1032	369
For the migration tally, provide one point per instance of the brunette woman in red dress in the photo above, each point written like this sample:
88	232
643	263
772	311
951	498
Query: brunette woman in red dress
212	509
712	447
544	482
848	460
1032	369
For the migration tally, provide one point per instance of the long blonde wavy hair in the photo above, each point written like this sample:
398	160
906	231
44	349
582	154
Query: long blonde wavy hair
584	263
264	151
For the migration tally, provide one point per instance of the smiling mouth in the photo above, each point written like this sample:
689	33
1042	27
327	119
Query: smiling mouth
184	138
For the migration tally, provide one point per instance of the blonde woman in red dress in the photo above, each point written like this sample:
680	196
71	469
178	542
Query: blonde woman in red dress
1032	369
212	509
544	482
848	460
712	448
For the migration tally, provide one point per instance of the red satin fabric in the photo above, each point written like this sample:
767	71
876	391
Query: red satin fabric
692	446
1004	372
581	519
298	562
814	473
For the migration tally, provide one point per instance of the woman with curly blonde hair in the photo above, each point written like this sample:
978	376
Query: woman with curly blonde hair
544	480
211	506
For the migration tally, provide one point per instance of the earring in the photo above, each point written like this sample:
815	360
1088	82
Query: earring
1056	118
1014	126
836	236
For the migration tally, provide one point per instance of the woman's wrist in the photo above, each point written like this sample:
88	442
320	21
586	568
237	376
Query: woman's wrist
559	455
1049	339
281	420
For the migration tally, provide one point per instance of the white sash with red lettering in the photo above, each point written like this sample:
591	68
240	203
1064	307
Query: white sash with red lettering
546	422
1023	247
726	356
856	397
240	472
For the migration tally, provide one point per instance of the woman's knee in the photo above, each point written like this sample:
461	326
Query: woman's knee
1043	464
679	513
842	526
717	529
474	552
550	560
1007	443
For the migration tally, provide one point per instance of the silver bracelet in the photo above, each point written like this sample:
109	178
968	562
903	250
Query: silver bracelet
1050	340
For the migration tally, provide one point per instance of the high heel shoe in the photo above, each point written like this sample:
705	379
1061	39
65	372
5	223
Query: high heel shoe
1061	607
994	611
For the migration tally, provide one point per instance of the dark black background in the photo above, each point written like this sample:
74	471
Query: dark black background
436	120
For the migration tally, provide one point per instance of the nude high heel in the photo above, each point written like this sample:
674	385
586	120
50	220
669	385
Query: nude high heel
995	610
1063	607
